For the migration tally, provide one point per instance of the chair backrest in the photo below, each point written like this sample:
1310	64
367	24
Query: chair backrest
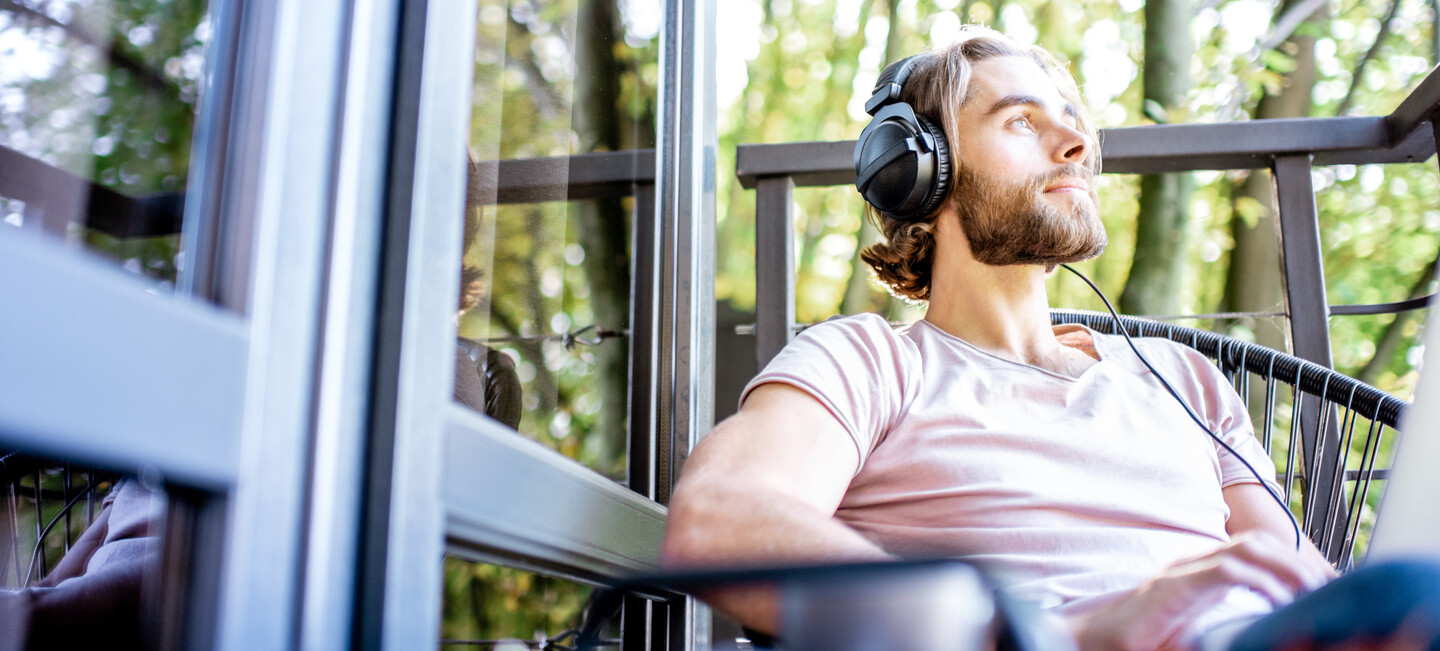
1324	464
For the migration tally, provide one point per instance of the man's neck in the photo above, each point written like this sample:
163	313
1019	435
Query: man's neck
1002	310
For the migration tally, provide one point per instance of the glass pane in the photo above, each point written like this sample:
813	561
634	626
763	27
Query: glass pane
545	302
97	108
491	606
79	548
97	112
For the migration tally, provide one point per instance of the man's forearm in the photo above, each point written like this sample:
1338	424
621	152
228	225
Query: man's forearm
762	489
725	526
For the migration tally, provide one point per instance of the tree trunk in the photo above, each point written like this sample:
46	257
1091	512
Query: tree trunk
1155	276
602	225
1434	31
1252	283
1359	76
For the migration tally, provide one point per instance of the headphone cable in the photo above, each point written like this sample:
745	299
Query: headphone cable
1121	327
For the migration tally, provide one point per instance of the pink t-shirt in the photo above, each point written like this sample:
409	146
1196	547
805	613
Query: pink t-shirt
1068	490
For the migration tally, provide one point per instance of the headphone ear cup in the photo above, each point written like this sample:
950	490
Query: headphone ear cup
899	176
940	183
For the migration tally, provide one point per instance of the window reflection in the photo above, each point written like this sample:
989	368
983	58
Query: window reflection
485	378
548	256
97	111
97	107
78	550
492	606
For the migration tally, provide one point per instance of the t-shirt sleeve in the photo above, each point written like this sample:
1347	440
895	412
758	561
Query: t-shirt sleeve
856	367
1218	404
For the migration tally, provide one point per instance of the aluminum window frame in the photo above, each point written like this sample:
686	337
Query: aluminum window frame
422	445
200	397
313	224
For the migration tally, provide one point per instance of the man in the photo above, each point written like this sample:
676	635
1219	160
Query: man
1048	456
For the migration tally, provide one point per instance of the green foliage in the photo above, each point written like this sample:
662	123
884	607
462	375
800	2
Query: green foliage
109	94
536	288
1376	237
527	104
491	602
532	254
1378	225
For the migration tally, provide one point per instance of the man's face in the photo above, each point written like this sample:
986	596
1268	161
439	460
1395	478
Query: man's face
1023	192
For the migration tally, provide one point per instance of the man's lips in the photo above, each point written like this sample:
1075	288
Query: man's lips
1076	185
1070	185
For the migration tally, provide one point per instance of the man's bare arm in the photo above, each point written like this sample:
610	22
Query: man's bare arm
762	488
1253	510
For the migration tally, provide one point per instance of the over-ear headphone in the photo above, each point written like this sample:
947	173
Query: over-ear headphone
902	160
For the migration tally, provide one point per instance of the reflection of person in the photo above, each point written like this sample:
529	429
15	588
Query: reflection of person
92	597
1048	456
485	378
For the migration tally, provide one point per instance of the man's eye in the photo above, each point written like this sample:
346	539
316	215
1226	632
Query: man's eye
1021	121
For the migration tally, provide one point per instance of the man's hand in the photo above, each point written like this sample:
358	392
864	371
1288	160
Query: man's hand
1149	615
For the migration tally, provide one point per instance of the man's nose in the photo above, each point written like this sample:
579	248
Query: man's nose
1073	147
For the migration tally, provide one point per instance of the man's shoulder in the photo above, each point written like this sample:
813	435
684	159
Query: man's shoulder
867	325
858	366
859	339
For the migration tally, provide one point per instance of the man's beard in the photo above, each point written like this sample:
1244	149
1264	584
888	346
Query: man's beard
1011	223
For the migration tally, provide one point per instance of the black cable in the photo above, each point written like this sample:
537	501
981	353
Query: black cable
1121	327
40	538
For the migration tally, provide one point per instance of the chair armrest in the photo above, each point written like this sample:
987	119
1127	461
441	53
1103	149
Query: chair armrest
918	605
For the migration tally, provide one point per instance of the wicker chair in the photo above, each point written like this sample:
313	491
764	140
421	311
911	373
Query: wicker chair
1323	462
45	506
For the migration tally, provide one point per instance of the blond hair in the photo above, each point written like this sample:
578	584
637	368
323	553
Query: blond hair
472	287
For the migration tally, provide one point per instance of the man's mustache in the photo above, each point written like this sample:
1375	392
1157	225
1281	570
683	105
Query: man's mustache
1066	171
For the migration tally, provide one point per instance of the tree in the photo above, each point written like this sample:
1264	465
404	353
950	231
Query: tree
860	294
1252	282
603	225
108	92
553	79
1159	262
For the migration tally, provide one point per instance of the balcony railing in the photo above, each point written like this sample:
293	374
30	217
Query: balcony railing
1290	148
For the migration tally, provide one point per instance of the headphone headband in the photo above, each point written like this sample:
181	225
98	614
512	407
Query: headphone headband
892	80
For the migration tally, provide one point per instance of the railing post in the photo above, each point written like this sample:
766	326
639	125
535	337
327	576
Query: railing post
774	266
1303	272
644	346
1435	131
1303	277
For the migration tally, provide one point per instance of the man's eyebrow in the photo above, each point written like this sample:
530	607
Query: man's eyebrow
1027	100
